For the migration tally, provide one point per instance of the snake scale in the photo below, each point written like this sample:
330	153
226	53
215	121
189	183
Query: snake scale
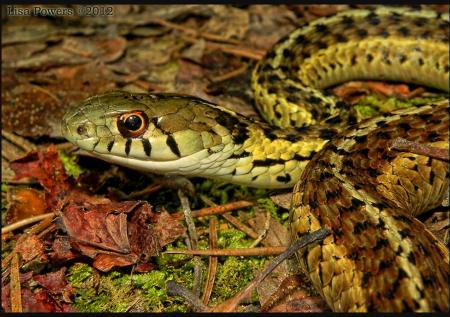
379	256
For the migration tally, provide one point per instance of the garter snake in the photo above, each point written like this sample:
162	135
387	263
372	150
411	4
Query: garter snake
378	257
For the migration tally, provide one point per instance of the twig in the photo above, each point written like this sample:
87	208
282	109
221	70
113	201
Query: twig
174	289
22	181
26	222
231	304
47	230
11	151
221	209
241	51
195	33
234	73
264	232
260	251
213	261
147	190
240	226
137	300
14	284
233	220
19	141
45	91
193	239
401	144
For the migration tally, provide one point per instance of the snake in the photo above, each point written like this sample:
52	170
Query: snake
344	173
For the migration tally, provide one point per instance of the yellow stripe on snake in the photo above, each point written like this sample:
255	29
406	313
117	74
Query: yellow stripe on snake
378	257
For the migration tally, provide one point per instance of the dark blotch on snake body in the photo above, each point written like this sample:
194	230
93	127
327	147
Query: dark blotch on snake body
110	146
356	203
384	33
362	33
147	146
170	141
381	243
341	38
284	179
411	258
321	28
373	18
403	31
128	146
348	21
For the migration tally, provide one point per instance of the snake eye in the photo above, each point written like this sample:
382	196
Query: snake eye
132	124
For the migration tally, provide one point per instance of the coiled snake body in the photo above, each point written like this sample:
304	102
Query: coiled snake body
378	257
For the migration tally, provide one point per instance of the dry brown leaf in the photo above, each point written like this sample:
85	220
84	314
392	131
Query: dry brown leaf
228	22
24	203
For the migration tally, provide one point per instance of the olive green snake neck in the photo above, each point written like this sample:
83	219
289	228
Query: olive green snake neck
379	257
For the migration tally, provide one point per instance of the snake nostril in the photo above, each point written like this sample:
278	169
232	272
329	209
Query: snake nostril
81	130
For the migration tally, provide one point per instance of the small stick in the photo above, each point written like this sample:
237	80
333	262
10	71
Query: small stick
264	232
193	240
240	226
261	251
213	261
233	220
14	284
26	222
22	181
174	289
221	209
193	32
147	190
20	141
247	52
401	144
234	73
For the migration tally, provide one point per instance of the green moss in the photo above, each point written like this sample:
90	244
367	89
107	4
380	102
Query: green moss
117	291
373	105
233	275
70	165
270	206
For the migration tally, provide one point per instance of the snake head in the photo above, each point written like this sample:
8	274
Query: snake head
167	133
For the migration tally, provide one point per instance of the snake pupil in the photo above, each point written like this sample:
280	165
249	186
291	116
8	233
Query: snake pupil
133	122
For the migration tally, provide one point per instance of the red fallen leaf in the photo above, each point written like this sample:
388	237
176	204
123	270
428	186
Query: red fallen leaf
117	233
47	168
53	297
355	90
39	301
62	250
168	228
24	203
56	284
144	267
32	249
105	262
